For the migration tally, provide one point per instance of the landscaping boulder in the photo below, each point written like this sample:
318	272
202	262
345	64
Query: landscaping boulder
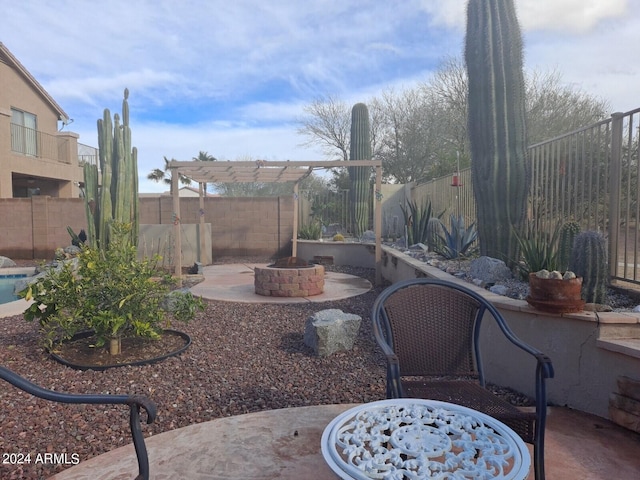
330	331
6	262
368	237
489	270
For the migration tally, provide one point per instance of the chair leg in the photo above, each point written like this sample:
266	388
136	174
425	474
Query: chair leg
538	452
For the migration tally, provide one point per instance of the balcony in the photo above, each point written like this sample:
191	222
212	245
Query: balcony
61	147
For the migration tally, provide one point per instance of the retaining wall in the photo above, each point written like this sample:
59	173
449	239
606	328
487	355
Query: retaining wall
589	350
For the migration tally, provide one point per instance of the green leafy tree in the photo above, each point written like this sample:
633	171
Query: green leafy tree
109	291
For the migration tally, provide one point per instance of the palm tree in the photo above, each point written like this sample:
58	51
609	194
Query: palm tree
205	157
158	175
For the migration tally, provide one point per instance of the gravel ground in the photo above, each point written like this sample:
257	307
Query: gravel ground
244	358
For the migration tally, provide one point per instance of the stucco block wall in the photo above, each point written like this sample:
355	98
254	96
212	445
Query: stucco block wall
16	228
34	227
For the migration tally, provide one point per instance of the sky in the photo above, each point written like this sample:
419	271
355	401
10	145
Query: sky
232	78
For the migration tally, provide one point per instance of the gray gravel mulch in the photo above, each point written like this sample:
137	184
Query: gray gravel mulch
243	358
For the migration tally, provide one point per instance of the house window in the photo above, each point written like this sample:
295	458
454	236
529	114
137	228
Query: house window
24	138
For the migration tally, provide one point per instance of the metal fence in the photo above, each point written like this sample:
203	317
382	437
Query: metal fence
589	175
29	141
331	209
87	154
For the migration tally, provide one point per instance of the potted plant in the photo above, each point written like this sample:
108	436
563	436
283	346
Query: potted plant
555	292
109	292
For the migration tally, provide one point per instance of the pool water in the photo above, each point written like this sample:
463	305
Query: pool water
6	287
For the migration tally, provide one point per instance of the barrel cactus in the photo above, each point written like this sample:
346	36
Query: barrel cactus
496	99
567	235
589	261
359	191
116	199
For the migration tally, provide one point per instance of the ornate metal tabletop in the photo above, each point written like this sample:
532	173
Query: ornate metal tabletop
422	439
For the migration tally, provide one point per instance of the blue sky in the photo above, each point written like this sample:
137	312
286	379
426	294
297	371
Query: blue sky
232	77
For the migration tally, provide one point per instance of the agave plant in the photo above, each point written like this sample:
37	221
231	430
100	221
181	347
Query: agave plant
457	241
538	249
311	231
416	219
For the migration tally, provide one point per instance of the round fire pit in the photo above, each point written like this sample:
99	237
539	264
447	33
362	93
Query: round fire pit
289	277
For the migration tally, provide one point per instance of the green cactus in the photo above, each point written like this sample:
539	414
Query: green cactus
496	123
589	261
360	149
434	231
567	235
117	198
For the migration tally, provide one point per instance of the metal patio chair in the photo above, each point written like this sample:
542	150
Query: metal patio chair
429	331
135	403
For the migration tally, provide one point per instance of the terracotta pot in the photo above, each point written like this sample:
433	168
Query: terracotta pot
555	295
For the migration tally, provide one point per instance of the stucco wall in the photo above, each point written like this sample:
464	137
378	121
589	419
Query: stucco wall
343	253
35	227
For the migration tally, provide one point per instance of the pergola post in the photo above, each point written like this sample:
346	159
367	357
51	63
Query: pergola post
296	200
177	251
201	242
378	224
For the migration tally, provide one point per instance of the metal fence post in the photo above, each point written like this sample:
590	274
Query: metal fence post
615	177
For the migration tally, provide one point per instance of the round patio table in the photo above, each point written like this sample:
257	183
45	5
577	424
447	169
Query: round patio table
422	439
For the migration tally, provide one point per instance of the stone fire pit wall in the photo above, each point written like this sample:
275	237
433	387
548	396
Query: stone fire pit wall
273	281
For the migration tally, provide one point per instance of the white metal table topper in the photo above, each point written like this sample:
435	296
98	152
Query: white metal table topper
422	439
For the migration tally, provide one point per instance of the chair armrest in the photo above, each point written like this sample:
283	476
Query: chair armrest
135	402
544	365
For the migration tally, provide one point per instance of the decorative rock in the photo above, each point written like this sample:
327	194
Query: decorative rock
368	237
72	250
6	262
330	331
597	307
489	270
499	290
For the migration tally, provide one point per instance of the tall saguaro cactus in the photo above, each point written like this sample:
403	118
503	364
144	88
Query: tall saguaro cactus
497	135
359	192
116	199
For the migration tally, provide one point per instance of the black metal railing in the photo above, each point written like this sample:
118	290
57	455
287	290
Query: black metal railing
135	402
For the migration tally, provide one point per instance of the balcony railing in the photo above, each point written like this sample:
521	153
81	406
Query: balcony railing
87	154
35	143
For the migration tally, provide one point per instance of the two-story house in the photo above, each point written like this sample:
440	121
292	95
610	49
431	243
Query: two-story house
37	155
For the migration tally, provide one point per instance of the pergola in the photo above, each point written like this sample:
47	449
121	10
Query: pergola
264	172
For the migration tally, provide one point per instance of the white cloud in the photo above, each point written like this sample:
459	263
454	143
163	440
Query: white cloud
238	73
576	16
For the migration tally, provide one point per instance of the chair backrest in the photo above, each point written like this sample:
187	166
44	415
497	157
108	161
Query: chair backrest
430	325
